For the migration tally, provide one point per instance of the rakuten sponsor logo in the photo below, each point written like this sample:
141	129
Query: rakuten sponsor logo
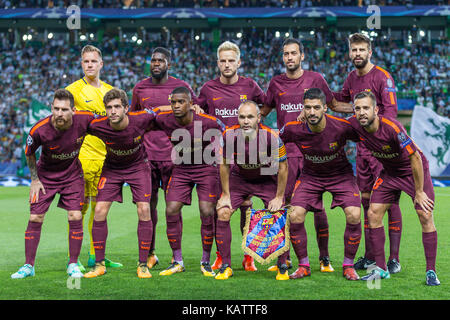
226	113
291	107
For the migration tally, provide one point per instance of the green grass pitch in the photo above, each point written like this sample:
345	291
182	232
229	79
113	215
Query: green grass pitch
50	282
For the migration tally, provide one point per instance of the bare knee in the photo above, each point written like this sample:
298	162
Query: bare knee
143	211
224	214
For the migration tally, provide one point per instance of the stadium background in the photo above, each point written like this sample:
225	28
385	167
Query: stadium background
39	54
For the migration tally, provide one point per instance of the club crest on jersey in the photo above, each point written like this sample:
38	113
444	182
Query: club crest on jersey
386	148
243	97
137	139
333	145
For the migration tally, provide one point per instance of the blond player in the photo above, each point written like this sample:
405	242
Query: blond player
88	93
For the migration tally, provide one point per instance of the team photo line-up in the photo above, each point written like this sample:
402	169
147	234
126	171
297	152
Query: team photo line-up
169	138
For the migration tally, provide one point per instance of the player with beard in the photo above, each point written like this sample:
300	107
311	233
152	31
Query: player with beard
263	176
406	169
321	139
60	136
221	98
285	95
154	93
369	77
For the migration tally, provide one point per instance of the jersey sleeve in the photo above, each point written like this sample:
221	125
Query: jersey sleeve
388	104
258	94
280	151
33	141
285	135
135	101
270	96
322	84
404	141
344	95
202	99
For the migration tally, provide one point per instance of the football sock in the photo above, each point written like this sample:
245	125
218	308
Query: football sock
395	231
90	224
223	240
352	237
377	238
144	234
429	240
32	237
207	234
299	241
366	204
99	236
75	239
154	216
322	235
174	229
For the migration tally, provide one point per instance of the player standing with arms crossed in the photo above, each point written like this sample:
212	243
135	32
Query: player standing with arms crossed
369	77
88	93
221	98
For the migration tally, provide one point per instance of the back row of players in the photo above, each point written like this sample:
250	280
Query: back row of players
308	155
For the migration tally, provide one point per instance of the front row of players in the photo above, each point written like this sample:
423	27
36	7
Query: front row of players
260	169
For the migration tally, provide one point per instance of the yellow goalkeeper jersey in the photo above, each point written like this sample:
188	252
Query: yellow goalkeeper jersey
90	98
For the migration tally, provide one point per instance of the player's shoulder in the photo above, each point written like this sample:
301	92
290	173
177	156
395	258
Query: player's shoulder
291	127
76	86
98	121
230	130
107	85
383	72
392	124
141	113
42	123
268	129
336	119
209	119
83	114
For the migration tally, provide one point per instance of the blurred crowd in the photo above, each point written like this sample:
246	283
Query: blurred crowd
421	70
206	3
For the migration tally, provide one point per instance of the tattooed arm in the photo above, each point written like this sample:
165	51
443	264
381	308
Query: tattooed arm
36	184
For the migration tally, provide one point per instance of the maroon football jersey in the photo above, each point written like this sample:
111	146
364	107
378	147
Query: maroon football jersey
58	162
286	96
323	152
124	148
194	144
222	100
150	96
379	82
253	159
390	145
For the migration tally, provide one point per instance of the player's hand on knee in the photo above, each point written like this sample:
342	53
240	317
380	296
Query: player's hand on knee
425	203
224	201
275	204
35	187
